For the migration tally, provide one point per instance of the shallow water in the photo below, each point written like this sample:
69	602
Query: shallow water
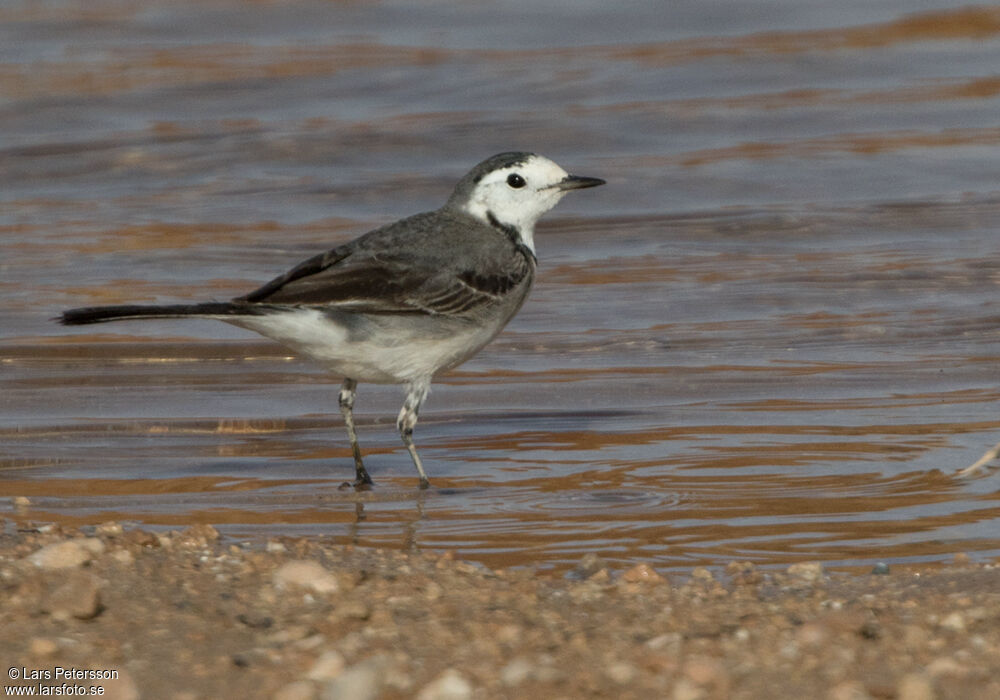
773	336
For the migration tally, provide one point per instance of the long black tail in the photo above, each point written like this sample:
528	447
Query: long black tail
100	314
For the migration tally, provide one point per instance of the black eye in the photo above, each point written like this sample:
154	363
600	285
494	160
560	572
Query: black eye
515	181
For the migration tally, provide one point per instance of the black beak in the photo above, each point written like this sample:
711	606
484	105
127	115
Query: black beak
578	182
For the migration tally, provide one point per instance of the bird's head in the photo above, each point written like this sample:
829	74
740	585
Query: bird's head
511	191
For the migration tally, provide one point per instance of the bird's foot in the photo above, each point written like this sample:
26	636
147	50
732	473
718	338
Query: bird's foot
362	481
357	485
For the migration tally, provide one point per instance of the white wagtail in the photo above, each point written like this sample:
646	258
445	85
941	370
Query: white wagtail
404	302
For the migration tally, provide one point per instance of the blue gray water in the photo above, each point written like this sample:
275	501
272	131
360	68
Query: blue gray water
774	335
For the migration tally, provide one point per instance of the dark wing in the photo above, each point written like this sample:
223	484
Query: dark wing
417	265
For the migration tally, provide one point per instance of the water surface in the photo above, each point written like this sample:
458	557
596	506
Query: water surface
773	336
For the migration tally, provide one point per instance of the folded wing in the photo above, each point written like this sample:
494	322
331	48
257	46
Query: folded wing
388	271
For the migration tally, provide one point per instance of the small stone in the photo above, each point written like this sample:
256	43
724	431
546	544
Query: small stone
433	591
275	547
870	629
961	559
509	634
601	577
588	565
710	673
92	545
914	686
67	554
953	622
21	502
812	634
700	573
516	672
42	647
670	640
686	690
642	573
449	685
810	571
123	556
362	681
79	597
304	573
329	665
743	573
945	666
142	538
355	610
621	673
256	620
297	690
196	536
109	529
880	569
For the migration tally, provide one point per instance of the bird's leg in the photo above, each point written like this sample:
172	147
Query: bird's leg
347	394
415	395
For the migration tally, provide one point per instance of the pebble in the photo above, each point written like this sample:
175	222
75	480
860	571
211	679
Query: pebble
123	556
642	573
706	672
329	665
914	686
355	610
79	597
109	529
954	622
42	647
686	690
700	573
362	681
67	554
621	672
880	569
601	577
516	672
199	534
304	573
588	565
450	685
743	573
671	641
812	634
143	538
810	571
945	666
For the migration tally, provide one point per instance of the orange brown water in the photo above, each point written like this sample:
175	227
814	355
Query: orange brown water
773	336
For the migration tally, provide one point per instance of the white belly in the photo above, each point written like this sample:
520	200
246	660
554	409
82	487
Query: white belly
384	349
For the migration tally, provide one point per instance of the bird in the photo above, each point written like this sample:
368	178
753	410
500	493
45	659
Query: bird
404	302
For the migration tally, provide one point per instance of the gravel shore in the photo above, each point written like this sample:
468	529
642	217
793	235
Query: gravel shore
188	615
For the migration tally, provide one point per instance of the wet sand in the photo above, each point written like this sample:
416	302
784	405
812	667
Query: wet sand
187	615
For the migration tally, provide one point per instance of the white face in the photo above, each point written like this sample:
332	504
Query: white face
518	195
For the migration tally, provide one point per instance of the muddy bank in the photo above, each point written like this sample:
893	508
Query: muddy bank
191	615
